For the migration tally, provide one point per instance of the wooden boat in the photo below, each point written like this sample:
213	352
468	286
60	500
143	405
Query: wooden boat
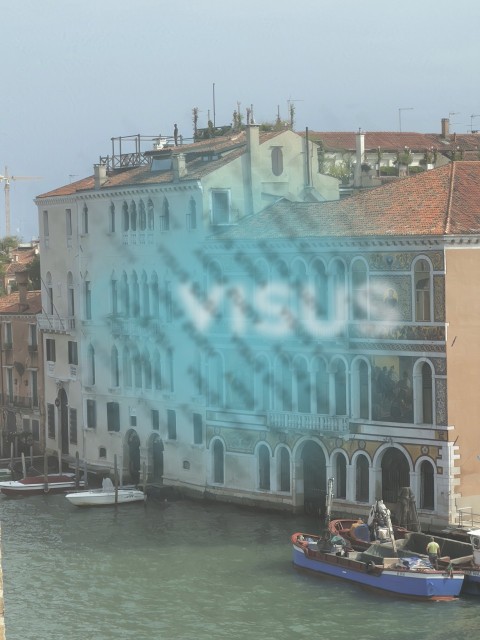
105	496
380	567
462	555
31	485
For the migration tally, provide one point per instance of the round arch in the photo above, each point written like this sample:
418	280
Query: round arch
311	457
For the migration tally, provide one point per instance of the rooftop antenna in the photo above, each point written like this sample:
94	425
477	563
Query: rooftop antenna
400	116
471	121
214	105
6	180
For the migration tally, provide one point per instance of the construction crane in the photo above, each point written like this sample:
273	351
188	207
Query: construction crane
6	180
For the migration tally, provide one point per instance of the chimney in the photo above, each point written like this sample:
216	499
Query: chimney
445	128
100	172
22	284
360	154
179	166
253	137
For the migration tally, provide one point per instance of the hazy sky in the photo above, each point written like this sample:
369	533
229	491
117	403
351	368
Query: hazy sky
76	73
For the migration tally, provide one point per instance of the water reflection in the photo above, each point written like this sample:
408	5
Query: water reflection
187	571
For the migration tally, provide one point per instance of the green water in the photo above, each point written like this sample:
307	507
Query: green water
188	571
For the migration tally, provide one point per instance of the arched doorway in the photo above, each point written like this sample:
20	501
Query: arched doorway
314	478
427	486
157	458
395	474
133	446
62	404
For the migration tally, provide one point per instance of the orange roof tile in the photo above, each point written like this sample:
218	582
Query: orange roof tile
437	202
10	304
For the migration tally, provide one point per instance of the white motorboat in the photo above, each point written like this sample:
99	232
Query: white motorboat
31	485
105	495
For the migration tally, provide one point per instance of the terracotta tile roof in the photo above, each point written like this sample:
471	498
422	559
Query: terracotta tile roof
21	258
396	141
229	147
10	304
437	202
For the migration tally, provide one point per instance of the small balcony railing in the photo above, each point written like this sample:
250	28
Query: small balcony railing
309	421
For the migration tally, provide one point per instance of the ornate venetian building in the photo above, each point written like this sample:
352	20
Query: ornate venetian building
347	345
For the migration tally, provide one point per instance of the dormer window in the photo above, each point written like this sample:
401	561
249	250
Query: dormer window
277	161
221	206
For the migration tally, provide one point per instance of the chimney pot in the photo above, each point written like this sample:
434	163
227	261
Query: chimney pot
100	173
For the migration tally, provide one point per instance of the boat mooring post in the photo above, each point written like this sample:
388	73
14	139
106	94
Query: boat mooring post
77	470
24	466
31	455
11	455
144	480
115	478
45	471
85	474
59	454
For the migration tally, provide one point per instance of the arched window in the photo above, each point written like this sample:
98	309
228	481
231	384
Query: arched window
422	288
125	217
361	479
192	214
147	370
283	384
218	462
114	295
337	292
150	216
157	370
322	387
359	281
340	377
320	290
114	368
165	218
142	216
299	287
137	369
263	468
154	290
90	365
133	216
112	218
145	296
340	476
135	296
125	296
360	390
277	161
262	384
423	390
427	486
127	368
284	482
302	383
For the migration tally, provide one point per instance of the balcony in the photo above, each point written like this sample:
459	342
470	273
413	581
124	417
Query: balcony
56	324
286	420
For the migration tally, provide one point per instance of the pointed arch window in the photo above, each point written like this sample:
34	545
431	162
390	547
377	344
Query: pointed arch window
359	283
192	214
127	368
322	384
135	296
150	216
302	383
165	217
142	217
147	370
112	218
125	217
133	216
340	378
157	370
423	290
91	365
320	290
155	296
114	368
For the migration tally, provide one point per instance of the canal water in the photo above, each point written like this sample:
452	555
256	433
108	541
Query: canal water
188	571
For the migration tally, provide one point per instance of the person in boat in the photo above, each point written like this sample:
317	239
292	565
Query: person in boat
433	551
339	545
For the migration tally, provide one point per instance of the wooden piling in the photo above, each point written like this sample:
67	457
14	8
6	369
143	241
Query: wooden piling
59	453
85	474
77	470
2	602
115	478
24	466
45	472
